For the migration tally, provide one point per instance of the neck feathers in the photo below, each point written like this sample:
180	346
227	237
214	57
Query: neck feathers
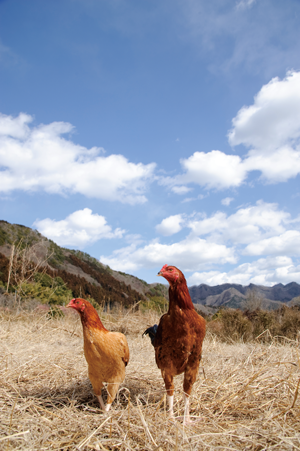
179	295
90	319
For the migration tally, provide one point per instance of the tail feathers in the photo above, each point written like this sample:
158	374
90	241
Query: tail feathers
151	331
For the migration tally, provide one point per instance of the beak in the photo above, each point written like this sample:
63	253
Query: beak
68	306
159	274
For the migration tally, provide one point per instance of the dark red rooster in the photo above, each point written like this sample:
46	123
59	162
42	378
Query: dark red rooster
106	352
178	338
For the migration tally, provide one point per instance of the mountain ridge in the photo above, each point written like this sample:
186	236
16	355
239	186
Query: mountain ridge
86	276
266	297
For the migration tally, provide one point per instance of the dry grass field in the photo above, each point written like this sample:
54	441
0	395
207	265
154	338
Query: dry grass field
245	397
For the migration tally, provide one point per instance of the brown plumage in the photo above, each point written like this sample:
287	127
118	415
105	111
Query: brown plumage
179	337
106	353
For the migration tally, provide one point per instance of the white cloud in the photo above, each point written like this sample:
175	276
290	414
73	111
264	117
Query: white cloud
227	201
15	127
288	243
206	226
243	4
282	165
265	271
265	230
180	189
264	40
247	225
270	128
170	225
191	199
214	240
78	229
39	158
274	118
214	169
189	254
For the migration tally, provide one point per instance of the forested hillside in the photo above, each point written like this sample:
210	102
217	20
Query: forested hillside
37	267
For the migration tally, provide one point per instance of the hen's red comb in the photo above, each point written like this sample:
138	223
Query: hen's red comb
164	267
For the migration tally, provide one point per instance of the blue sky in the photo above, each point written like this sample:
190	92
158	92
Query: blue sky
155	132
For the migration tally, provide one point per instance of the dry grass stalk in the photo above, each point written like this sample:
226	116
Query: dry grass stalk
10	266
248	399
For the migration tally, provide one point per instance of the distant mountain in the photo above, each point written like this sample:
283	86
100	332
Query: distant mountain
84	275
239	296
224	297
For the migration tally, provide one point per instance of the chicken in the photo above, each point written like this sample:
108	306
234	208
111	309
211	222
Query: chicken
106	353
178	338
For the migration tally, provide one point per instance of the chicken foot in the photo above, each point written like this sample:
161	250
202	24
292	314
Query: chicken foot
104	407
169	384
170	401
186	416
112	389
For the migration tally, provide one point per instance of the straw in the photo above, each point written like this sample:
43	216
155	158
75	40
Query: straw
248	400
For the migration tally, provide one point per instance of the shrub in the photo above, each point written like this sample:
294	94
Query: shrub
289	320
236	326
47	290
157	303
44	280
55	312
261	320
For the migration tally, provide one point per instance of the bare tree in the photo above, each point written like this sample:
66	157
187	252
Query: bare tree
25	262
